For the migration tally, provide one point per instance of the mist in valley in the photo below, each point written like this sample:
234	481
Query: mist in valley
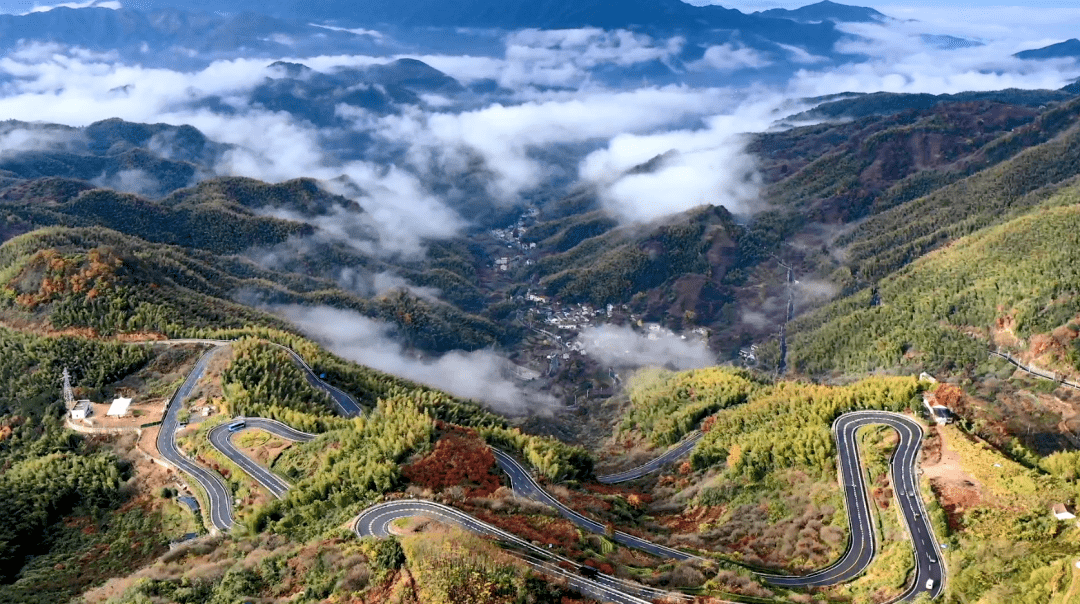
652	124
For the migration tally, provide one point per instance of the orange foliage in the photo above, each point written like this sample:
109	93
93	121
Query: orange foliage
708	423
541	529
603	567
948	395
67	275
460	458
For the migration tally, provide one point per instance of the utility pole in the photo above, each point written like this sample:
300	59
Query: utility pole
69	396
781	366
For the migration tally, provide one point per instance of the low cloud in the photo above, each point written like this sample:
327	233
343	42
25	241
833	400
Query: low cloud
564	57
504	136
757	320
726	58
395	216
75	87
131	181
20	137
901	60
370	33
112	4
703	166
478	375
386	281
798	55
1013	22
623	347
814	292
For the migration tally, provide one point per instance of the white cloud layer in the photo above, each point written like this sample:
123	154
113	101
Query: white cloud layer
702	128
112	4
563	57
702	166
726	57
618	346
478	375
504	135
77	88
900	61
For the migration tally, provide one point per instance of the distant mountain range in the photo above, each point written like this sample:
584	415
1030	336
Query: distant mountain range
155	36
381	89
186	34
519	14
151	159
827	11
1068	48
290	28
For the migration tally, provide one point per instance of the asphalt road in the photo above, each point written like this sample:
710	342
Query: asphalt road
346	404
218	496
375	521
523	485
221	439
681	448
863	541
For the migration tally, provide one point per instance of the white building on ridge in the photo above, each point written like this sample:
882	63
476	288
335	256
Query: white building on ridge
119	407
81	410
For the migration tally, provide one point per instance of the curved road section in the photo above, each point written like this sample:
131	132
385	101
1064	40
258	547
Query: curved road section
221	439
681	448
522	483
375	521
346	404
218	496
863	543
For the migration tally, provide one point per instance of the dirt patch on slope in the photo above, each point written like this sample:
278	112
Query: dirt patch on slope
956	490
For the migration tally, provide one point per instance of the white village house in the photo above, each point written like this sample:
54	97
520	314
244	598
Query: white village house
1061	512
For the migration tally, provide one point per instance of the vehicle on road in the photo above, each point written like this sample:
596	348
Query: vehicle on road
236	426
588	571
929	584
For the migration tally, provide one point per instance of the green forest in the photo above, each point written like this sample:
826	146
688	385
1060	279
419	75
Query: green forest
938	313
47	472
666	405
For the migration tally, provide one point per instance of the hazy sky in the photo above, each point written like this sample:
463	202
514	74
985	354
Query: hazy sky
1036	20
765	4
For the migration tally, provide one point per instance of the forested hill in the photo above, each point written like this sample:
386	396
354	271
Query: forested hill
113	283
961	229
944	311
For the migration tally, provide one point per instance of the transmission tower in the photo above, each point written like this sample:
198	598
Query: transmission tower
69	396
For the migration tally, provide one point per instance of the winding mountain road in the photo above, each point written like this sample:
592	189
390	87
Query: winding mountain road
346	404
862	549
218	497
680	448
523	485
862	542
375	520
221	439
862	545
